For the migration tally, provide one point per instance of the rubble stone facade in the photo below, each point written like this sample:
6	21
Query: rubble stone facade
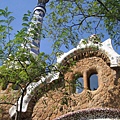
60	101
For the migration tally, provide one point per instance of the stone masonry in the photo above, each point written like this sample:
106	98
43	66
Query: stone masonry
59	101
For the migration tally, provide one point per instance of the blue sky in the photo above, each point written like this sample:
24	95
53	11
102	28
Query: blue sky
19	8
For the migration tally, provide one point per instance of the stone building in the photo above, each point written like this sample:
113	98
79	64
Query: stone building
64	102
74	94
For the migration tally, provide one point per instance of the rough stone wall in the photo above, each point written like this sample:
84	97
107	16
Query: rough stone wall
7	99
59	101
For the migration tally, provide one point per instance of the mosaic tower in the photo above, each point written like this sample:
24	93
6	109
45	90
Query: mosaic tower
35	26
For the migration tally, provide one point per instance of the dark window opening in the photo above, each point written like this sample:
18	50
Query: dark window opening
93	82
15	87
79	85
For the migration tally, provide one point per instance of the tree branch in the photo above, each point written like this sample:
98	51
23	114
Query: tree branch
7	103
24	69
97	25
103	5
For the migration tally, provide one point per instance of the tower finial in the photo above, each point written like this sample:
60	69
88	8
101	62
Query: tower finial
42	1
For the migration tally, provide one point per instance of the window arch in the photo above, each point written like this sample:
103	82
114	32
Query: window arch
92	76
79	84
87	80
93	82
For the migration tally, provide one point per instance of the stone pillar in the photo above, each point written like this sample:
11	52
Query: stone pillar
85	79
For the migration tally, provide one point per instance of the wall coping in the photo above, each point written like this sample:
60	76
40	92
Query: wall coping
105	46
92	113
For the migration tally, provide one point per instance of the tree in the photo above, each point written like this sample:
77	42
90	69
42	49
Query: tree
19	66
70	20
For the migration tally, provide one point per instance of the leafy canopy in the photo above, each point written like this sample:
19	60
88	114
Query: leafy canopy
18	64
71	20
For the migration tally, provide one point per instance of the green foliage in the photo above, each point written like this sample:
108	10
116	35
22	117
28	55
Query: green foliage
5	30
69	21
19	66
77	82
64	101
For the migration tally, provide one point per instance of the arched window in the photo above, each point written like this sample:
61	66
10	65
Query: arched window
87	80
93	82
79	85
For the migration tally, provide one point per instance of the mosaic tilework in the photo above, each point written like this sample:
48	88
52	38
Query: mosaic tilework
95	113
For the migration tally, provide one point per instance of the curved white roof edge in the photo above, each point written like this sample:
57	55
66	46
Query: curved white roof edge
105	46
110	52
30	89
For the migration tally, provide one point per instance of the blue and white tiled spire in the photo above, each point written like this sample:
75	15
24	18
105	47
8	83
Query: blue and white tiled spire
35	27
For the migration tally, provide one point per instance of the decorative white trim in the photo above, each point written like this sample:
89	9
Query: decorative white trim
30	89
105	46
